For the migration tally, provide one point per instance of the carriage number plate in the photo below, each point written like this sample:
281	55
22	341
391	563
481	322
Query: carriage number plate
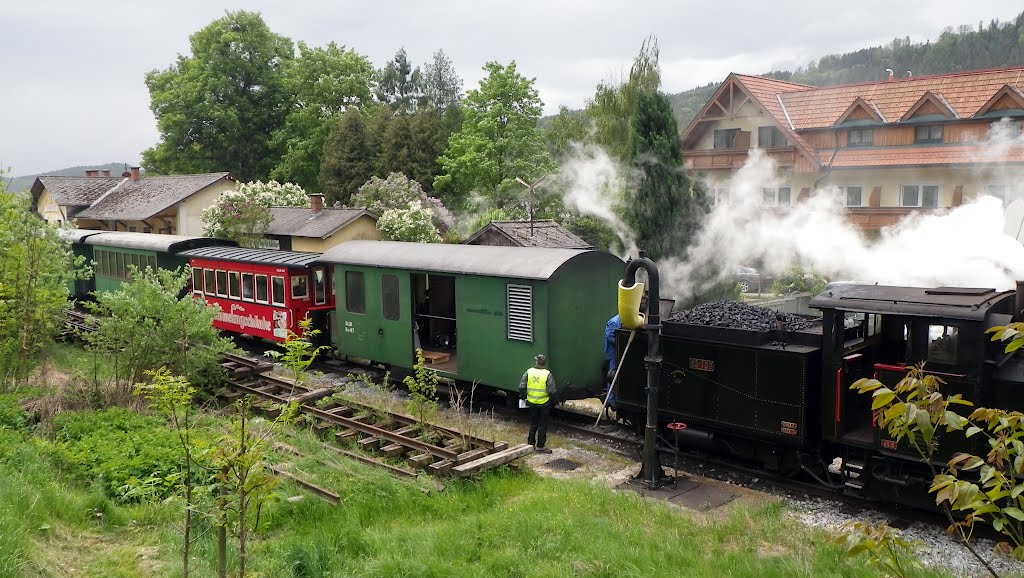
702	364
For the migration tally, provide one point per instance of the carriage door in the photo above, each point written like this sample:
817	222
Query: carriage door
394	332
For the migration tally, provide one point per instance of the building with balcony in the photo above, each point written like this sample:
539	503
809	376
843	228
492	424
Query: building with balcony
892	147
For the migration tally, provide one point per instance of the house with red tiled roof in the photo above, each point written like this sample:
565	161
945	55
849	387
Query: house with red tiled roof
170	204
892	147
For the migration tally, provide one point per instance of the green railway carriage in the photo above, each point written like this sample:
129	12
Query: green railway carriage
79	289
479	313
113	252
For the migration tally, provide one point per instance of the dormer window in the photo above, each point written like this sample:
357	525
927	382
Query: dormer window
928	134
770	136
860	137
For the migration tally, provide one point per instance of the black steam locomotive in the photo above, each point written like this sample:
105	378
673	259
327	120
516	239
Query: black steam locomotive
779	396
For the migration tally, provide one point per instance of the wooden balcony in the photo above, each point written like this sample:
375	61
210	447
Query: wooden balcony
701	160
874	218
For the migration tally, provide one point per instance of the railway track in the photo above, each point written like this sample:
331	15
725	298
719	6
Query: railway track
392	437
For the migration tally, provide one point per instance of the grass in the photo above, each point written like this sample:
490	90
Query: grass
508	523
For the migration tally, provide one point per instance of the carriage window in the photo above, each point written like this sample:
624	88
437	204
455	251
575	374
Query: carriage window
99	260
261	288
277	290
300	287
233	289
211	283
389	297
197	280
119	267
222	283
152	262
355	292
247	287
320	286
942	344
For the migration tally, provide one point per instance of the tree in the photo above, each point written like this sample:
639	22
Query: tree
348	158
498	140
667	209
151	322
395	192
243	214
442	86
596	231
398	197
565	129
217	109
429	130
35	269
394	152
325	81
399	84
172	395
614	106
413	224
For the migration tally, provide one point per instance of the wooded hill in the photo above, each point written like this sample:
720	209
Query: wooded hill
995	45
24	183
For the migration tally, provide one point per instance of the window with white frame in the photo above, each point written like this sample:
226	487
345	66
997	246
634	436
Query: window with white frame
853	196
776	196
924	196
719	195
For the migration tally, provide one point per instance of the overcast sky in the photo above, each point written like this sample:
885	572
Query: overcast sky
71	71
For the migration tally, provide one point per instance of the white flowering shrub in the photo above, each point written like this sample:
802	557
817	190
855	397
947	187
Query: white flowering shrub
243	214
413	223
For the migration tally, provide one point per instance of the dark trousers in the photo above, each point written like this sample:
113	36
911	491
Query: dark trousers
540	415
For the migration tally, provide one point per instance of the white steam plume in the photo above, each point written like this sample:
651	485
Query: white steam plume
592	184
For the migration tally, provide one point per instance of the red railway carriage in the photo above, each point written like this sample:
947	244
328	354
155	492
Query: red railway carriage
262	292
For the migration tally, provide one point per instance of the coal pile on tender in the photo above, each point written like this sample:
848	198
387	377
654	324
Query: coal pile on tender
735	315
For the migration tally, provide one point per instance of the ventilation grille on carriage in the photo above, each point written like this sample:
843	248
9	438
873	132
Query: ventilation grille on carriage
520	312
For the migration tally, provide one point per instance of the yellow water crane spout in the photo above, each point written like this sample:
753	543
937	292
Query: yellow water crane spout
629	305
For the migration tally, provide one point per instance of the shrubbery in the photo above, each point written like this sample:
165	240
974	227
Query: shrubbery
12	416
117	448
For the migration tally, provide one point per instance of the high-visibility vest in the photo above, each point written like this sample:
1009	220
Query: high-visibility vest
537	385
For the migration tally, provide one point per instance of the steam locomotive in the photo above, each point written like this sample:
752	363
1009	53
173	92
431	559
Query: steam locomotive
780	397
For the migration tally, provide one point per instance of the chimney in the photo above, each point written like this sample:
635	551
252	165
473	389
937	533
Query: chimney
91	173
135	173
316	202
889	70
105	173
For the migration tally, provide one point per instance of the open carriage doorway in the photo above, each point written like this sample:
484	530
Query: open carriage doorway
435	322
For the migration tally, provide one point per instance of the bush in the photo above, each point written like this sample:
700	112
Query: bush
12	416
798	280
118	449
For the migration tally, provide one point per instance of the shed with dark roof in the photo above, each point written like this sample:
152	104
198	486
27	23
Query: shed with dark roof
544	233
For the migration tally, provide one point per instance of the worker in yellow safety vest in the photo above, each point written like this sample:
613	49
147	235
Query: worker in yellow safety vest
537	387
